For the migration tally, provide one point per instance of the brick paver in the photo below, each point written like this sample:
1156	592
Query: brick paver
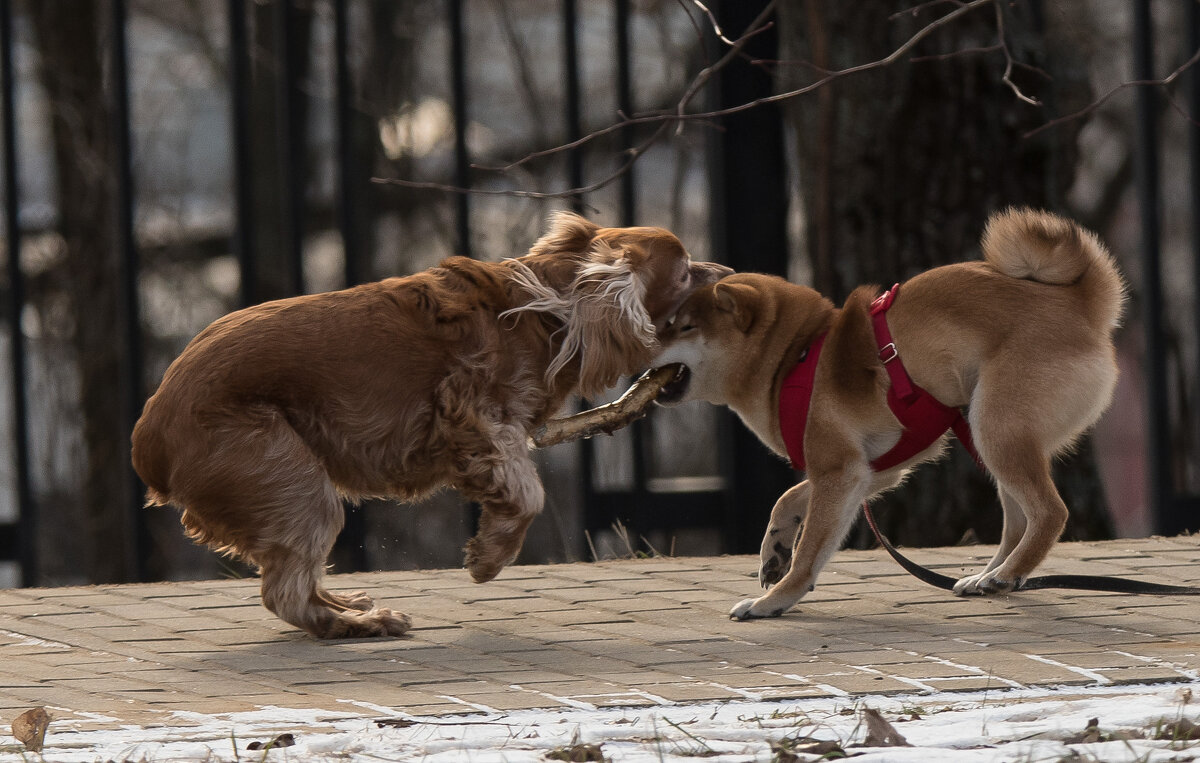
623	633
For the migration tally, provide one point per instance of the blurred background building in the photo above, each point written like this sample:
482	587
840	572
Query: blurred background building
167	161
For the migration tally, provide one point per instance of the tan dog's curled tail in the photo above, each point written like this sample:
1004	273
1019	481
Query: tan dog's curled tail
1039	246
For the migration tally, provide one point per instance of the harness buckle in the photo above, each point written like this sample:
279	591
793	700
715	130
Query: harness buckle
888	352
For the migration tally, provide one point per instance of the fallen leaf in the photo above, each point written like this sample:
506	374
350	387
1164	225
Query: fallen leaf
395	723
1090	734
1180	731
790	750
29	728
578	753
880	733
283	740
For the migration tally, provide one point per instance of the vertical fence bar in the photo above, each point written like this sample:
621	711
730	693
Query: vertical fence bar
641	431
1192	39
1149	204
749	213
627	187
135	565
347	190
574	120
243	193
291	152
462	165
353	537
573	127
26	539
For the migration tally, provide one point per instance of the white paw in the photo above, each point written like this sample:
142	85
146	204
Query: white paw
747	609
985	583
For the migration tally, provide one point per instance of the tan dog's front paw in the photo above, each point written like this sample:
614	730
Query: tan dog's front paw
752	609
986	583
776	558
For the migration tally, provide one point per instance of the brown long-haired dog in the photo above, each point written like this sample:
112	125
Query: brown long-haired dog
274	414
1023	338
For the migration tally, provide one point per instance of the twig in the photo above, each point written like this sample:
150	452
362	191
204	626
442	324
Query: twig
713	21
758	25
1008	59
1165	81
607	419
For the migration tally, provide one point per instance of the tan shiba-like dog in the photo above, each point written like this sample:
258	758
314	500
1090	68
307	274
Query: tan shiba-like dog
1023	339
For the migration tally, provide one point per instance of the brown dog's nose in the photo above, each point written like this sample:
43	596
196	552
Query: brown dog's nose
704	273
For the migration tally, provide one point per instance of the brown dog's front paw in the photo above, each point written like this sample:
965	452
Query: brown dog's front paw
482	561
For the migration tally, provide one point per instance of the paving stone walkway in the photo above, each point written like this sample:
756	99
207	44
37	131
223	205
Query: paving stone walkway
619	633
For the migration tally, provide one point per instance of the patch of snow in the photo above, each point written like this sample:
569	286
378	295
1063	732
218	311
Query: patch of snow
1023	725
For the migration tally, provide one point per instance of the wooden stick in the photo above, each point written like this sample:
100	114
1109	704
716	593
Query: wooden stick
607	419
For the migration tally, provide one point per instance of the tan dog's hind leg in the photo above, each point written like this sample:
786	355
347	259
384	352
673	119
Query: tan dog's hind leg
511	495
833	504
1027	483
1011	534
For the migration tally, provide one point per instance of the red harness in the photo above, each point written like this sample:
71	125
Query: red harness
923	417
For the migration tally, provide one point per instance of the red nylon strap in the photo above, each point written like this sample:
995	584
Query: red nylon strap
794	397
924	418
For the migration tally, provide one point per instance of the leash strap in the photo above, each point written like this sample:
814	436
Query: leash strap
1075	582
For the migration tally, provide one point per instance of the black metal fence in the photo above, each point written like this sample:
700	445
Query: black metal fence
748	170
711	506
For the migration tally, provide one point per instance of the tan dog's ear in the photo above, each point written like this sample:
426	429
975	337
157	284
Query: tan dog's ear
740	300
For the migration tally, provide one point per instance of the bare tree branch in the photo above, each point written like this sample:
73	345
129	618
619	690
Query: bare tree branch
1164	82
678	115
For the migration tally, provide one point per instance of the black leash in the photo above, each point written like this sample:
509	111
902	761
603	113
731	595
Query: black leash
1077	582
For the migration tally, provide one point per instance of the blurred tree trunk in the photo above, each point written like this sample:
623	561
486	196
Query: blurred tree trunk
900	167
70	37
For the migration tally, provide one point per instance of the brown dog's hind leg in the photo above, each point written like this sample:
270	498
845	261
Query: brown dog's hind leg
357	601
291	589
260	492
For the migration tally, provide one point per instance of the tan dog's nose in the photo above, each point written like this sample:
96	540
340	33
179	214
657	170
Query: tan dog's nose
704	273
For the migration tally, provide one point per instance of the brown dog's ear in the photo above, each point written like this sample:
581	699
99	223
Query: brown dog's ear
738	299
566	232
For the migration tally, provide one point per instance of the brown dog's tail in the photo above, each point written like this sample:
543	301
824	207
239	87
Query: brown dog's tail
150	461
1039	246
